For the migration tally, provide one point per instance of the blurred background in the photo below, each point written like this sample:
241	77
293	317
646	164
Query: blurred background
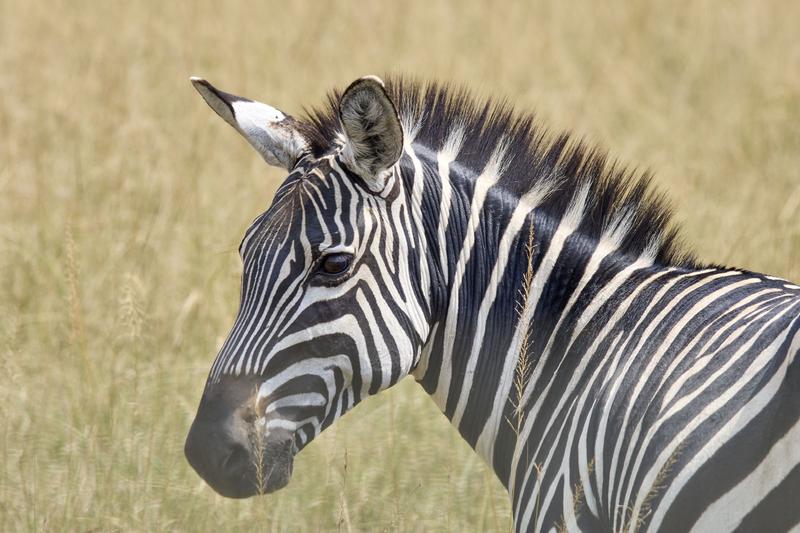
123	199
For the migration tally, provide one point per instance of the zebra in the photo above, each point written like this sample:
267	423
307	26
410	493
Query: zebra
539	292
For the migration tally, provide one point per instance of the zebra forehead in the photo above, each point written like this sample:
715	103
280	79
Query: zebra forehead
306	206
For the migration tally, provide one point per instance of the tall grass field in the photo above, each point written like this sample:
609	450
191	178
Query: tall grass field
123	199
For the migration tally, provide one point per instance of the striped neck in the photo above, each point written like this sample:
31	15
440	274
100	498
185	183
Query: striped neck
487	249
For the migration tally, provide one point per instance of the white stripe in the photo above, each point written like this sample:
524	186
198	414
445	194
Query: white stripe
617	381
733	426
424	358
568	224
573	383
728	511
674	329
732	332
526	205
490	175
604	294
609	243
448	154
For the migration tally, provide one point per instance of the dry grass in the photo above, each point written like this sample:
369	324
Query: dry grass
124	197
524	366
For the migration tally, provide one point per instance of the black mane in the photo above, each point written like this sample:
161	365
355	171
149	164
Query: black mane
533	154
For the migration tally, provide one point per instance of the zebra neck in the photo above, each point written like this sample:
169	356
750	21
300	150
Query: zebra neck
486	250
478	249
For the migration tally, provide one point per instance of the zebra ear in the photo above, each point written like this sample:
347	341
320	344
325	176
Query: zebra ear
274	135
372	127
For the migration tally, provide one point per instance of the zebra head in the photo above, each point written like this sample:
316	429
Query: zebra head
330	307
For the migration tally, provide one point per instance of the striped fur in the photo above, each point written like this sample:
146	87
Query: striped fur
659	394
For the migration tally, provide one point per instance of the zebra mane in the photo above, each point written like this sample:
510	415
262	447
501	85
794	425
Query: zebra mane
618	201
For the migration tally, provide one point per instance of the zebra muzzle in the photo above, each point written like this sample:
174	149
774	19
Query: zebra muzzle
230	450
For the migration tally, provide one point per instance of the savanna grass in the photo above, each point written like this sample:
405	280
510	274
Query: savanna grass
124	197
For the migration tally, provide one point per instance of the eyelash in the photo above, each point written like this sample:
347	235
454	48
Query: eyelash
323	277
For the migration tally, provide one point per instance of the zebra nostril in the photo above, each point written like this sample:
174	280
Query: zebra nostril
237	459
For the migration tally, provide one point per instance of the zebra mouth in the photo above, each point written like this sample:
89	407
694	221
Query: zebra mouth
262	469
272	462
236	452
243	468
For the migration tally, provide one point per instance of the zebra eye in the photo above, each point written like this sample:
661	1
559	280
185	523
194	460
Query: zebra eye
336	263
